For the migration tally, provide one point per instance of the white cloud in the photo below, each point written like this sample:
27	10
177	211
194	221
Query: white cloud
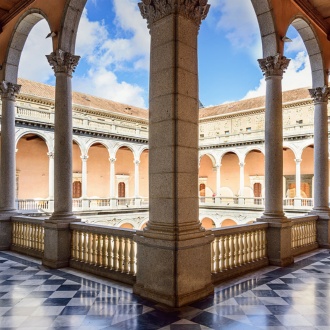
239	21
33	64
298	75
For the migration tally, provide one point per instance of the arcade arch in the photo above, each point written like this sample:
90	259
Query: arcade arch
208	223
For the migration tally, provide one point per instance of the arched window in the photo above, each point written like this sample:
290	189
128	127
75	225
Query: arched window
76	189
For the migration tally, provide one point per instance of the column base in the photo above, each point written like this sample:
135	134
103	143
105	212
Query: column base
322	227
57	250
184	274
278	241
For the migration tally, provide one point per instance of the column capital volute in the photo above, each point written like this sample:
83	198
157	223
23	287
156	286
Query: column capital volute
274	65
84	158
9	90
320	94
50	154
154	10
112	160
63	62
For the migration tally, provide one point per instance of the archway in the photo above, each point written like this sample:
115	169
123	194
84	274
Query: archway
208	223
228	223
230	174
32	167
207	177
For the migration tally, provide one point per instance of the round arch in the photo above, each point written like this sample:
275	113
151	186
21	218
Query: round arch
46	138
207	223
123	145
212	157
308	36
228	223
96	142
17	41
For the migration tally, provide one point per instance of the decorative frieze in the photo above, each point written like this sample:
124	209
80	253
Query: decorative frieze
9	90
274	65
320	94
64	62
154	10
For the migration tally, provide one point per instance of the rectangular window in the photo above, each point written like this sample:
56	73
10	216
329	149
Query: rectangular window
227	132
248	129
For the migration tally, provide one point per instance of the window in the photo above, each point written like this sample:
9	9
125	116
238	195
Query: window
227	132
248	129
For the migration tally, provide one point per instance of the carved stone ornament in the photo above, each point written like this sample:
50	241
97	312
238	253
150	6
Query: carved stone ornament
153	10
62	61
274	65
320	94
9	90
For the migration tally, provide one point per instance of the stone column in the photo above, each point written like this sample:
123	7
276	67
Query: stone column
112	182
279	232
8	92
320	96
297	201
57	231
85	202
173	233
137	182
241	182
218	178
51	180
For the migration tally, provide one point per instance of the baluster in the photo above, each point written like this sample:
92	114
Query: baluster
132	258
239	249
80	252
42	238
244	248
104	251
115	253
74	243
126	255
120	254
90	248
227	252
232	251
213	255
216	255
85	247
258	244
97	249
264	243
222	254
110	251
14	233
100	250
236	259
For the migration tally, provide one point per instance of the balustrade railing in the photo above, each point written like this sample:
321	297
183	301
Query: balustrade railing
28	236
103	250
33	204
303	234
238	249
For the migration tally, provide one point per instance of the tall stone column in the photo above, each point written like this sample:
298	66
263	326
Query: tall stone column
218	178
173	234
320	96
137	182
241	182
8	92
112	182
57	231
51	180
85	200
84	176
279	232
297	201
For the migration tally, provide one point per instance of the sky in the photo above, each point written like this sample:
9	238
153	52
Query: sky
113	41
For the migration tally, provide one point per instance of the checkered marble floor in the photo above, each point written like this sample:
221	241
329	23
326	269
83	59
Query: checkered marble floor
35	297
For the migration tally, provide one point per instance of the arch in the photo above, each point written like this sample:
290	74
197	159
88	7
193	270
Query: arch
127	222
71	18
46	138
144	224
306	31
212	157
123	145
21	31
95	142
126	225
76	141
266	23
254	148
229	151
208	223
228	223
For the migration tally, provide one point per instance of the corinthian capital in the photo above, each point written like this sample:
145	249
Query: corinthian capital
274	65
9	90
153	10
62	61
320	94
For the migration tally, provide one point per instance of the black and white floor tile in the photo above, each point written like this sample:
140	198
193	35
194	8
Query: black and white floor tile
35	297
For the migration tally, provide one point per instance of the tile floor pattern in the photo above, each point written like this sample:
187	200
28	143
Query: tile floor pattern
34	297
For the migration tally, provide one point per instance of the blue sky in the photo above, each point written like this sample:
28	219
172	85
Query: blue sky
113	42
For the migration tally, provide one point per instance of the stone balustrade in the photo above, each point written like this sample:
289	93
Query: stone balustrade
236	250
105	251
303	235
28	236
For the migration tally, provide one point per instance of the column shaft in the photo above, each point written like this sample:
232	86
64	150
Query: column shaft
218	178
51	175
136	178
298	178
84	176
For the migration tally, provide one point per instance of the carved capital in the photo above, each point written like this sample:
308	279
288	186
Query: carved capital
9	90
112	160
136	162
61	61
84	158
298	160
154	10
320	94
50	154
274	65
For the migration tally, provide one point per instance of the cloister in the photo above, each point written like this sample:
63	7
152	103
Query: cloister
178	166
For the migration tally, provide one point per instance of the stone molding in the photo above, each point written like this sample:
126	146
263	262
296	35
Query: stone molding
9	90
274	65
320	94
154	10
63	62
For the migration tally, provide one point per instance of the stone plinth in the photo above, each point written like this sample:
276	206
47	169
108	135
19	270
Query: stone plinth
174	273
